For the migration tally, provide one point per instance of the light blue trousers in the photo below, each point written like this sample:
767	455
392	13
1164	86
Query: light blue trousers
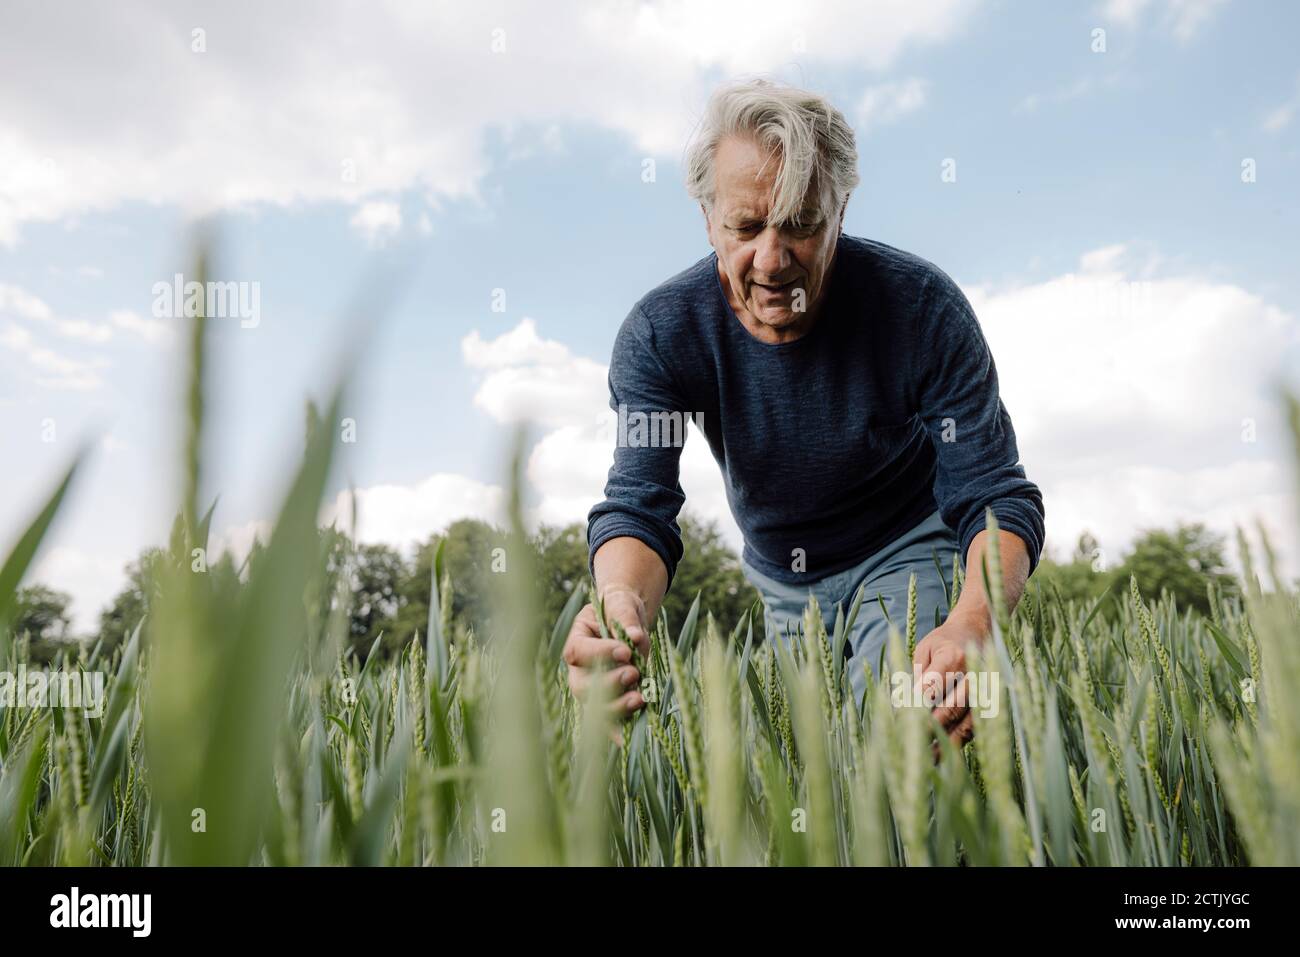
884	574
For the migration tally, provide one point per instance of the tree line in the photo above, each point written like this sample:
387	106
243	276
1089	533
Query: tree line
390	592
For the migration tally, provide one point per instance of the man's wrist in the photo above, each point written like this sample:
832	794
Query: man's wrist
606	588
978	618
614	588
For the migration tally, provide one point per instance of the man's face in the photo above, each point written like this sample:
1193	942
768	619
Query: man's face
777	274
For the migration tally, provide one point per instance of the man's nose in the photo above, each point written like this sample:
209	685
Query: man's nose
771	258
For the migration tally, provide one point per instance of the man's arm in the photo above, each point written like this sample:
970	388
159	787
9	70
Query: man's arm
629	565
940	659
939	664
633	538
977	468
643	493
977	459
631	581
972	605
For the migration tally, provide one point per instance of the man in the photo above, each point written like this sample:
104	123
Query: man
845	389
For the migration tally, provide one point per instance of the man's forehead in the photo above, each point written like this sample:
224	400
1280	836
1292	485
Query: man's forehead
744	188
757	208
738	193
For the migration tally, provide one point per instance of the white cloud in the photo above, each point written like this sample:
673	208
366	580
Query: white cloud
1141	420
52	370
568	468
525	144
1146	360
84	330
377	221
1280	117
1125	11
1103	259
403	515
569	465
23	312
542	381
237	540
1115	506
151	330
520	346
15	337
62	373
1181	17
114	106
18	302
739	35
885	103
1187	16
533	379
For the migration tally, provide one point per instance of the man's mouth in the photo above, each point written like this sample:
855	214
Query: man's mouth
775	287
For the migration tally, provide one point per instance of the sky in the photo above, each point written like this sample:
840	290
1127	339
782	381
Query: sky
468	198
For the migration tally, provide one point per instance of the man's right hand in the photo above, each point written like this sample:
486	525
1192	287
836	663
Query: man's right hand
588	654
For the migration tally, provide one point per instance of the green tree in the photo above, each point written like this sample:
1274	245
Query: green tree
41	613
1180	562
118	620
41	620
473	551
472	560
561	565
378	574
711	569
1083	579
708	567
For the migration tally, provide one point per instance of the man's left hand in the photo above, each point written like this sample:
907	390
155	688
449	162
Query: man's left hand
939	667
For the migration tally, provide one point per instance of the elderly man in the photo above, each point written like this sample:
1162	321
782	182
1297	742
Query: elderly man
846	391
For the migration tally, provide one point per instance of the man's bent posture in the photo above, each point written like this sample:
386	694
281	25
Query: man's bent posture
845	389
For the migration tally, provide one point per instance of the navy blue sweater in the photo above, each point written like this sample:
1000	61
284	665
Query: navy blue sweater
831	445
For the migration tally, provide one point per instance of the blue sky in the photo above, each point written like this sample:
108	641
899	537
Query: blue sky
521	170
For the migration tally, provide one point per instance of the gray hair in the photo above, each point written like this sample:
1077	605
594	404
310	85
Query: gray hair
811	136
